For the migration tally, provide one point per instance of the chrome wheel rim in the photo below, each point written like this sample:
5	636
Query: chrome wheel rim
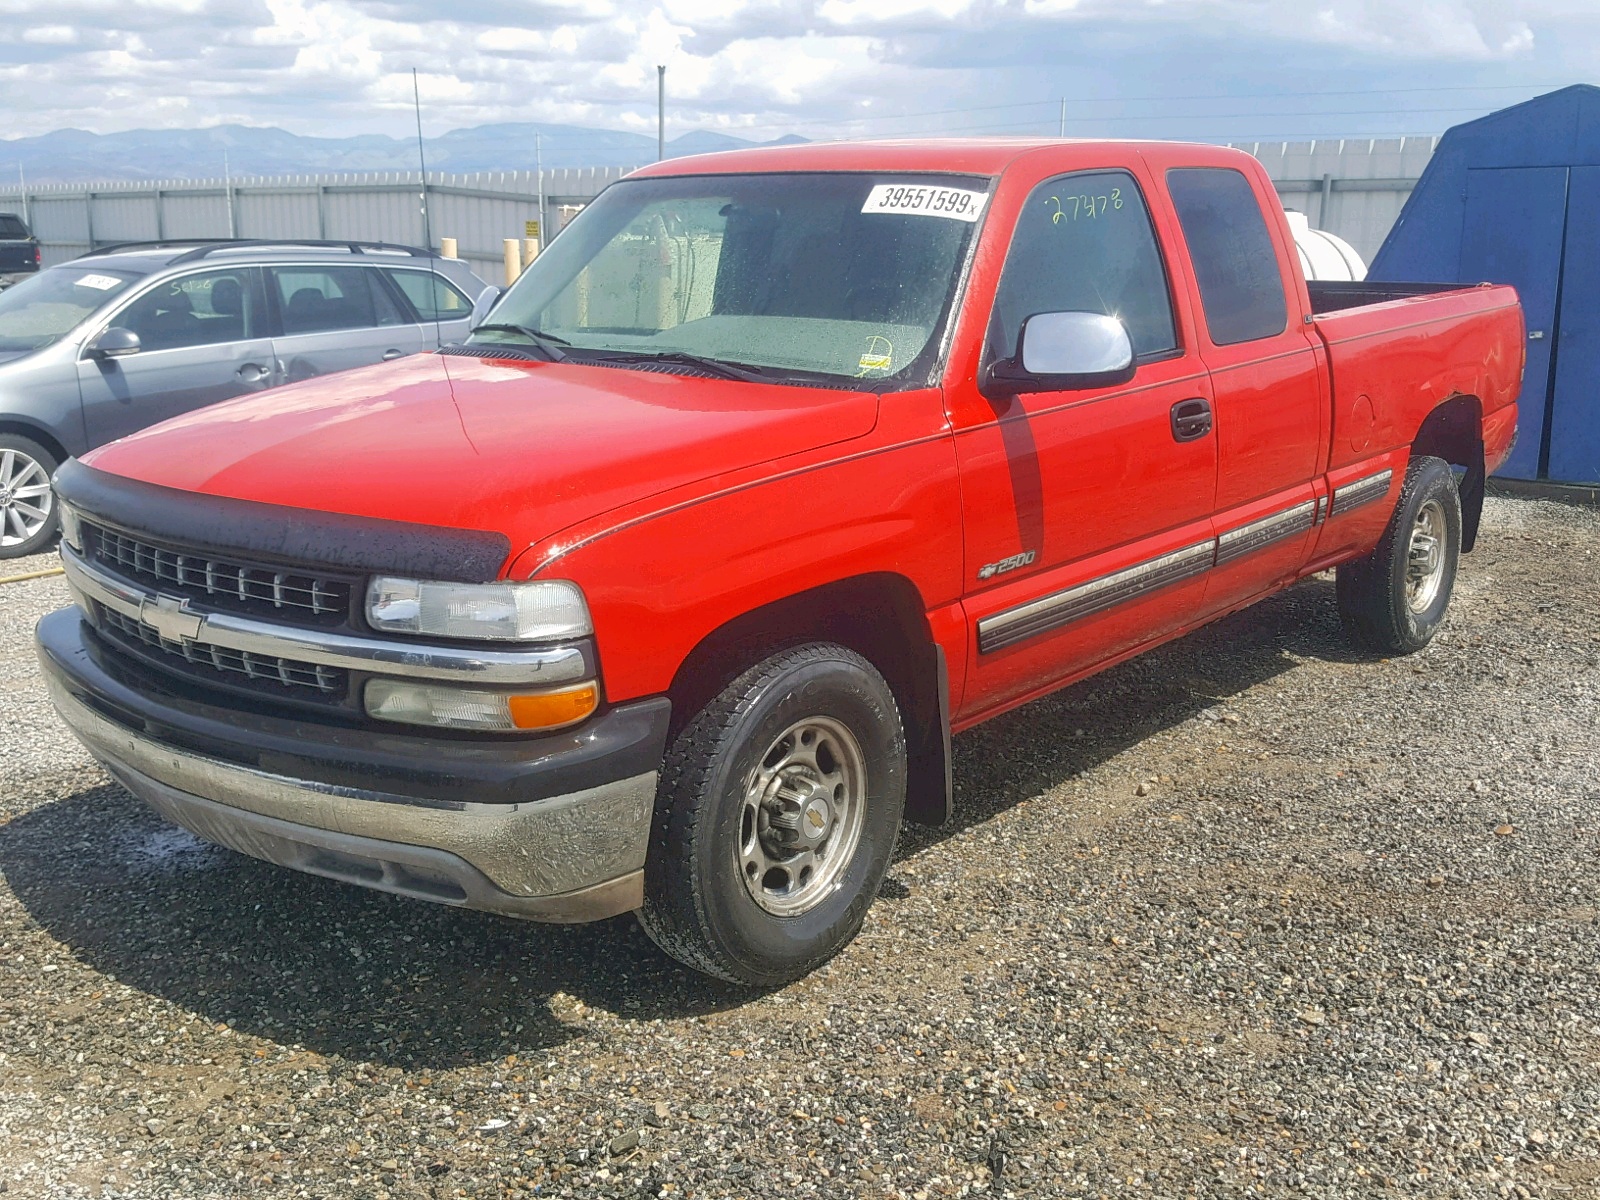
25	498
1425	557
801	820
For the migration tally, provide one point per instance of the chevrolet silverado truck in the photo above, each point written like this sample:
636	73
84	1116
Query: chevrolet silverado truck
19	249
666	590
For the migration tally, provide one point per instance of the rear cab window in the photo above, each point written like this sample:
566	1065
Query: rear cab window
12	226
1235	261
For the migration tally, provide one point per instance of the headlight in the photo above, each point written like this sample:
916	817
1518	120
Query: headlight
511	612
444	707
71	532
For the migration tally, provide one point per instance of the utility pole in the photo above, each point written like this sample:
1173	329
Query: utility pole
661	113
227	190
422	163
538	161
1063	117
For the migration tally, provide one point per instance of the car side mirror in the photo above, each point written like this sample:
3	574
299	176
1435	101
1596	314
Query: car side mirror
487	299
1064	351
115	342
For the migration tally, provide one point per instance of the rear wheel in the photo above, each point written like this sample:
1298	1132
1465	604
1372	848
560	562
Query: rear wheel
28	517
1394	600
778	810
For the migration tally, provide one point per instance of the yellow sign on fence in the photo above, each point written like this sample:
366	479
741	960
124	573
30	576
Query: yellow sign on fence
530	229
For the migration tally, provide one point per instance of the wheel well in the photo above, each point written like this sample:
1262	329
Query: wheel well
1454	432
35	434
880	617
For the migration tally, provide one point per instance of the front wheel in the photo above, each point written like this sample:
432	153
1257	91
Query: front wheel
777	813
28	517
1394	600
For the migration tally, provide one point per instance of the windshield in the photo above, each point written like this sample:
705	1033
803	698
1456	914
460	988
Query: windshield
44	309
813	277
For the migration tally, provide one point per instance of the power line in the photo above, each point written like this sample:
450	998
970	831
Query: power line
939	112
1045	123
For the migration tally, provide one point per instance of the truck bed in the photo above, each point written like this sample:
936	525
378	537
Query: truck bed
1397	350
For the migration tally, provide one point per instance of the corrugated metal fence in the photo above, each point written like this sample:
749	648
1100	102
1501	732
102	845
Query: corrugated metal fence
1353	187
478	210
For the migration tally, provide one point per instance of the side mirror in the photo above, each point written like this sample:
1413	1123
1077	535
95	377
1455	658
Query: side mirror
1063	351
487	299
115	342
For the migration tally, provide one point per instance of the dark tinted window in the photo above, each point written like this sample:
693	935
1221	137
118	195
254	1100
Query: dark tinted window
12	226
433	296
1084	243
320	299
194	310
1234	259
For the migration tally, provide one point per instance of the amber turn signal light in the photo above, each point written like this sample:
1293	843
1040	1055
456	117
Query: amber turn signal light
551	710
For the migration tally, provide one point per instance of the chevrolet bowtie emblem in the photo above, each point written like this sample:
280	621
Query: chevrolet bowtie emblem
171	618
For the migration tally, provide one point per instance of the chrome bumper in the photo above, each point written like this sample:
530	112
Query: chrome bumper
575	857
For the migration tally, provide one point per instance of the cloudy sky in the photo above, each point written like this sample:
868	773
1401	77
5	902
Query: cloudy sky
1204	69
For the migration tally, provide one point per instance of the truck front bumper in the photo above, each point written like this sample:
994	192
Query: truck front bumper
315	799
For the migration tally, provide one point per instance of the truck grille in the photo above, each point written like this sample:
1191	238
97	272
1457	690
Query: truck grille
224	583
205	660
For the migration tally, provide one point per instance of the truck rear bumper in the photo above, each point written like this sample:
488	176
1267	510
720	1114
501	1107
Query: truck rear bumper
574	856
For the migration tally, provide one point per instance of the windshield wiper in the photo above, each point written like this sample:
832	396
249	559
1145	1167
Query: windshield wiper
741	371
548	342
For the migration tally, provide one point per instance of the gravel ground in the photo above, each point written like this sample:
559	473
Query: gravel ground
1249	916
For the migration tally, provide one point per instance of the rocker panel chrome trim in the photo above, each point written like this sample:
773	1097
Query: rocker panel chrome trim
1085	599
1361	491
1259	534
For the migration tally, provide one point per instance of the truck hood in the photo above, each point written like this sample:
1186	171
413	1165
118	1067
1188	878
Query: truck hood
523	449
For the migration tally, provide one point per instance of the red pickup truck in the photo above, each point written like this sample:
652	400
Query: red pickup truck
667	589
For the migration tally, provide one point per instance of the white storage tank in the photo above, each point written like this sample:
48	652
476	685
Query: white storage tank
1322	255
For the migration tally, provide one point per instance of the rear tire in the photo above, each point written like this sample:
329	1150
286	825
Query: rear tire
777	813
1394	600
29	520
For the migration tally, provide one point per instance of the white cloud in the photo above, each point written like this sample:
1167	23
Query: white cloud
343	66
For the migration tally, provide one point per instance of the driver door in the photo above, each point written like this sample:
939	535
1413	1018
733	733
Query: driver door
202	340
1087	513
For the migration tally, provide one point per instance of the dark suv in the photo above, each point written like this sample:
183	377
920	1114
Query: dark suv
19	249
130	335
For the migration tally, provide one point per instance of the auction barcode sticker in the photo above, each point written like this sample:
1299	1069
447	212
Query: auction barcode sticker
100	283
959	204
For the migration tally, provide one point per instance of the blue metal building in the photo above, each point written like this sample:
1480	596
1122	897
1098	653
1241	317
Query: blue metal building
1514	198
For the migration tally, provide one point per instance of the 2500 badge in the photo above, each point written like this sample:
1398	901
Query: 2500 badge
990	570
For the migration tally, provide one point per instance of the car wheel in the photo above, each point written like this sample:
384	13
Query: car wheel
778	809
1394	600
28	517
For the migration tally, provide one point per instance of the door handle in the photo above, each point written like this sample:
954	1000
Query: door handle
254	372
391	355
1191	420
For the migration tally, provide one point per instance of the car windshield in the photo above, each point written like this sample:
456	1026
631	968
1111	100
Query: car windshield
802	277
45	308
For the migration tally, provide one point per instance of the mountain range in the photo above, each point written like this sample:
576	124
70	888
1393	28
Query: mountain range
76	156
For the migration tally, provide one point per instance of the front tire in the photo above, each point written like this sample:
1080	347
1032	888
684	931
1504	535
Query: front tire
28	517
777	813
1394	600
